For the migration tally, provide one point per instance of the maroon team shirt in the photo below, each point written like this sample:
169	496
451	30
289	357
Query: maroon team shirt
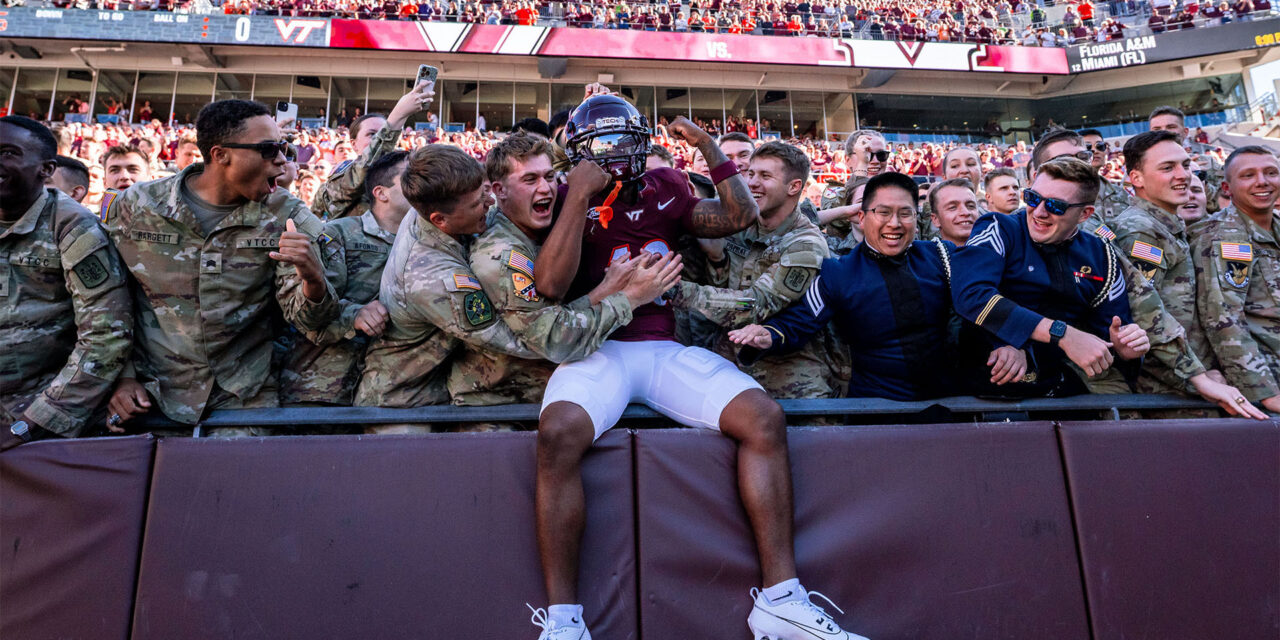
654	224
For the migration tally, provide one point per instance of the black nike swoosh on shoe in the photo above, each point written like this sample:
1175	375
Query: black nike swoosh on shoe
822	634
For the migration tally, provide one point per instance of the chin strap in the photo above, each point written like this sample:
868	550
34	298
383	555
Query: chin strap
605	211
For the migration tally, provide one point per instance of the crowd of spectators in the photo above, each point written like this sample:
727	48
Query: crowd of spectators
1023	22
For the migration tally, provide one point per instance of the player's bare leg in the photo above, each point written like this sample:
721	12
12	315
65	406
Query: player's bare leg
759	426
565	433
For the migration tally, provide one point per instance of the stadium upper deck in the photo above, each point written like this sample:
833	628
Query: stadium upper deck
820	86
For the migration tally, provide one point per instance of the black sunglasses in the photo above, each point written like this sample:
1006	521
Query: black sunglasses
1095	146
880	155
269	150
1052	205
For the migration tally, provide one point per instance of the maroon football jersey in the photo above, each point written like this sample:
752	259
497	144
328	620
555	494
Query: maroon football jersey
653	224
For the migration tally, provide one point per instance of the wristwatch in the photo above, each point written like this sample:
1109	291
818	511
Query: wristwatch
21	429
1056	331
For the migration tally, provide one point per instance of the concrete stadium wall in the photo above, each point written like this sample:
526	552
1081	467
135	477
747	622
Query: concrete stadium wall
1012	530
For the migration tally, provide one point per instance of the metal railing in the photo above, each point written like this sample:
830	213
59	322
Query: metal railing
843	410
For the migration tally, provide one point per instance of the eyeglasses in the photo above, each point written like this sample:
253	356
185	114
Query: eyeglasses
880	156
1079	155
269	150
1052	205
903	215
1095	146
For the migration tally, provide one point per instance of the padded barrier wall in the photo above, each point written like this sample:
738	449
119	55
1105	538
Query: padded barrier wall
71	518
1179	526
947	531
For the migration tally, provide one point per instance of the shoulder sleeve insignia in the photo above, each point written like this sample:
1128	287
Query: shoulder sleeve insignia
1105	233
108	197
477	308
520	262
1147	252
92	272
325	238
1236	274
524	287
464	281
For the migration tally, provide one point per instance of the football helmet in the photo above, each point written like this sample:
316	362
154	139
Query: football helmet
610	132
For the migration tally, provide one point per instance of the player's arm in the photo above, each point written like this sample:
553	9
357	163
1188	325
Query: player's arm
557	261
735	209
97	281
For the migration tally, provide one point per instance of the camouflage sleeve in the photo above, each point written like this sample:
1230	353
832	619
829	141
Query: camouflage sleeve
336	197
96	279
558	333
450	297
1174	361
1221	305
300	311
333	256
783	283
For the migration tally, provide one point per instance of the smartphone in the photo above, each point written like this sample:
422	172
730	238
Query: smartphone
286	112
426	72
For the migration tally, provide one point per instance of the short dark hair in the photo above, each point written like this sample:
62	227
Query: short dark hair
1000	172
437	176
1049	137
1077	171
954	182
354	129
532	125
219	122
1090	132
122	150
735	136
1247	150
77	173
947	156
890	180
663	154
47	144
703	187
1167	110
1135	148
793	160
383	171
516	146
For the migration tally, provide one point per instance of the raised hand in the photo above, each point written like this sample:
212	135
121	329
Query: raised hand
1130	340
295	249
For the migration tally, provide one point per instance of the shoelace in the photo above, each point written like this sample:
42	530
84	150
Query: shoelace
540	619
820	613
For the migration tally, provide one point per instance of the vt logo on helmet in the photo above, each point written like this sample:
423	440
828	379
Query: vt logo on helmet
608	131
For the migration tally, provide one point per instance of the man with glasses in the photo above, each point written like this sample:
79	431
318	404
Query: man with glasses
1059	143
1112	197
867	155
208	250
890	300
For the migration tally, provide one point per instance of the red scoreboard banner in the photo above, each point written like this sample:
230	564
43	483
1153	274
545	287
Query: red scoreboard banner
444	37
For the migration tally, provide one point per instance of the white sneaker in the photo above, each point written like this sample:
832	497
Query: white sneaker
795	619
553	631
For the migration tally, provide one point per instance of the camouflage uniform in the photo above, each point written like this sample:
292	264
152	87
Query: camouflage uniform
66	337
765	271
323	367
436	304
1112	200
343	193
502	260
203	303
1239	299
1155	242
842	234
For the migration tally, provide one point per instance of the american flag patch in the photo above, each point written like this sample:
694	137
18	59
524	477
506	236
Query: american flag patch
1144	251
520	262
463	281
1237	251
1105	233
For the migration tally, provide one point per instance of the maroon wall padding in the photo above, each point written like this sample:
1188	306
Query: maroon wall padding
952	531
70	529
1179	526
371	537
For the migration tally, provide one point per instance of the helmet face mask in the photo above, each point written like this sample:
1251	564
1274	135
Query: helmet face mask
610	132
